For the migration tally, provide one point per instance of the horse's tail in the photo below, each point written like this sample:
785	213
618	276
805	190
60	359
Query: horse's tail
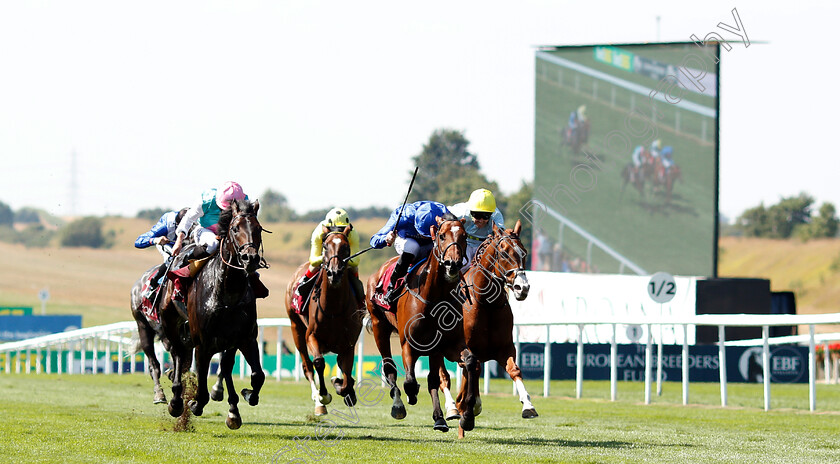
367	323
136	346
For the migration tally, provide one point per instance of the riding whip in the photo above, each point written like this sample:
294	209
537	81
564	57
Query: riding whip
399	216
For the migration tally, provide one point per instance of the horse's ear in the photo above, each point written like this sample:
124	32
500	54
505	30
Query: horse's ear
325	230
496	229
518	227
433	231
234	206
347	229
256	206
463	221
438	219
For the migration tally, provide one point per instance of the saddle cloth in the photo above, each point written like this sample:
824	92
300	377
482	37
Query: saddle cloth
378	296
147	307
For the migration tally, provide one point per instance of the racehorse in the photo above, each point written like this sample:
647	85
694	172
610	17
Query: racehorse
150	321
672	175
499	263
428	321
637	177
222	311
331	322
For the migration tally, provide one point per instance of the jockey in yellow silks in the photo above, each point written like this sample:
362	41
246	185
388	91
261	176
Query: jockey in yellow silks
479	214
335	218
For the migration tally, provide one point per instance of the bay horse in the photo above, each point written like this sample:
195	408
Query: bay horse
331	322
499	263
428	321
222	311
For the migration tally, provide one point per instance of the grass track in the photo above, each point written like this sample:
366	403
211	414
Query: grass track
111	419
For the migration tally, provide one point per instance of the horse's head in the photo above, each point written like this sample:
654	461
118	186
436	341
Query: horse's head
336	252
450	240
509	259
242	237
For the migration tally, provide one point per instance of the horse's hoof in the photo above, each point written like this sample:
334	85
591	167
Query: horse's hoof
452	414
412	399
467	423
176	408
320	411
350	399
398	412
217	394
529	413
233	421
160	397
326	399
195	408
252	398
440	425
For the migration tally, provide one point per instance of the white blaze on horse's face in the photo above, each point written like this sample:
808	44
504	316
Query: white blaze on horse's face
521	287
336	241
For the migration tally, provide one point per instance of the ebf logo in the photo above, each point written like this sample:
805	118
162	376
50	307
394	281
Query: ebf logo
532	360
787	365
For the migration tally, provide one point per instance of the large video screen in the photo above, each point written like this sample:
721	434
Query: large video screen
626	157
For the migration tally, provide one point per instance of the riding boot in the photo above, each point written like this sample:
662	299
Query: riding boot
182	282
154	281
399	271
358	287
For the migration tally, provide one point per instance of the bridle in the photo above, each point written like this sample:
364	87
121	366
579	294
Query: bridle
440	255
342	263
497	248
230	240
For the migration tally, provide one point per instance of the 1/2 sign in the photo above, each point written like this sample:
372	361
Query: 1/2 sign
662	288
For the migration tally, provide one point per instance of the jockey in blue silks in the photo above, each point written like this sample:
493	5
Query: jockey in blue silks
162	235
411	237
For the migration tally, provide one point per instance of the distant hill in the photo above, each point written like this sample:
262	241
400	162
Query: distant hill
810	269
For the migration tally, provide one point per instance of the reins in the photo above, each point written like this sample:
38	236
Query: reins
229	240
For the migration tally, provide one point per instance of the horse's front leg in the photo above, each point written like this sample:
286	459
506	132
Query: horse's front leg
320	394
176	404
252	356
436	366
445	386
147	341
528	411
469	392
388	371
202	365
233	420
344	387
410	386
217	393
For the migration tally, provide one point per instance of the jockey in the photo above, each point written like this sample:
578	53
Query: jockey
667	158
411	237
479	212
655	149
162	235
573	121
637	157
581	114
336	218
206	212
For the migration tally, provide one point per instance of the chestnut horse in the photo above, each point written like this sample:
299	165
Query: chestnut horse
499	262
222	311
331	322
428	321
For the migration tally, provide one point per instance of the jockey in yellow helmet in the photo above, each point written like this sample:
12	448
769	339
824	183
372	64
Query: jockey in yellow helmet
335	218
479	212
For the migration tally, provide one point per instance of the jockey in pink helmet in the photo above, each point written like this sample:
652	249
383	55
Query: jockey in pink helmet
206	212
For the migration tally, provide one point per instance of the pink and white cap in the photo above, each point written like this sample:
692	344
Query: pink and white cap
227	192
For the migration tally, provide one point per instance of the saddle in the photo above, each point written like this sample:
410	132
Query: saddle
186	271
378	296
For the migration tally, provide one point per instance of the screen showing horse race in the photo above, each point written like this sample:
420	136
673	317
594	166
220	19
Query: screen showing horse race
625	163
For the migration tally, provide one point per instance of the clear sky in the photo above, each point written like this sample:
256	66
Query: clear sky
326	102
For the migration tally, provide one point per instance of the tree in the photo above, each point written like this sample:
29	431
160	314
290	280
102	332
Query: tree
27	215
824	225
779	220
84	232
445	159
274	207
513	210
754	222
7	217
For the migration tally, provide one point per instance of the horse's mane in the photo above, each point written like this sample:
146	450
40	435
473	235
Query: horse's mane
245	207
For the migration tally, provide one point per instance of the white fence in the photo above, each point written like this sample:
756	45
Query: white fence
117	338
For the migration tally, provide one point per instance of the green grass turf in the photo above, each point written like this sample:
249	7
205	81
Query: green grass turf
678	236
50	418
